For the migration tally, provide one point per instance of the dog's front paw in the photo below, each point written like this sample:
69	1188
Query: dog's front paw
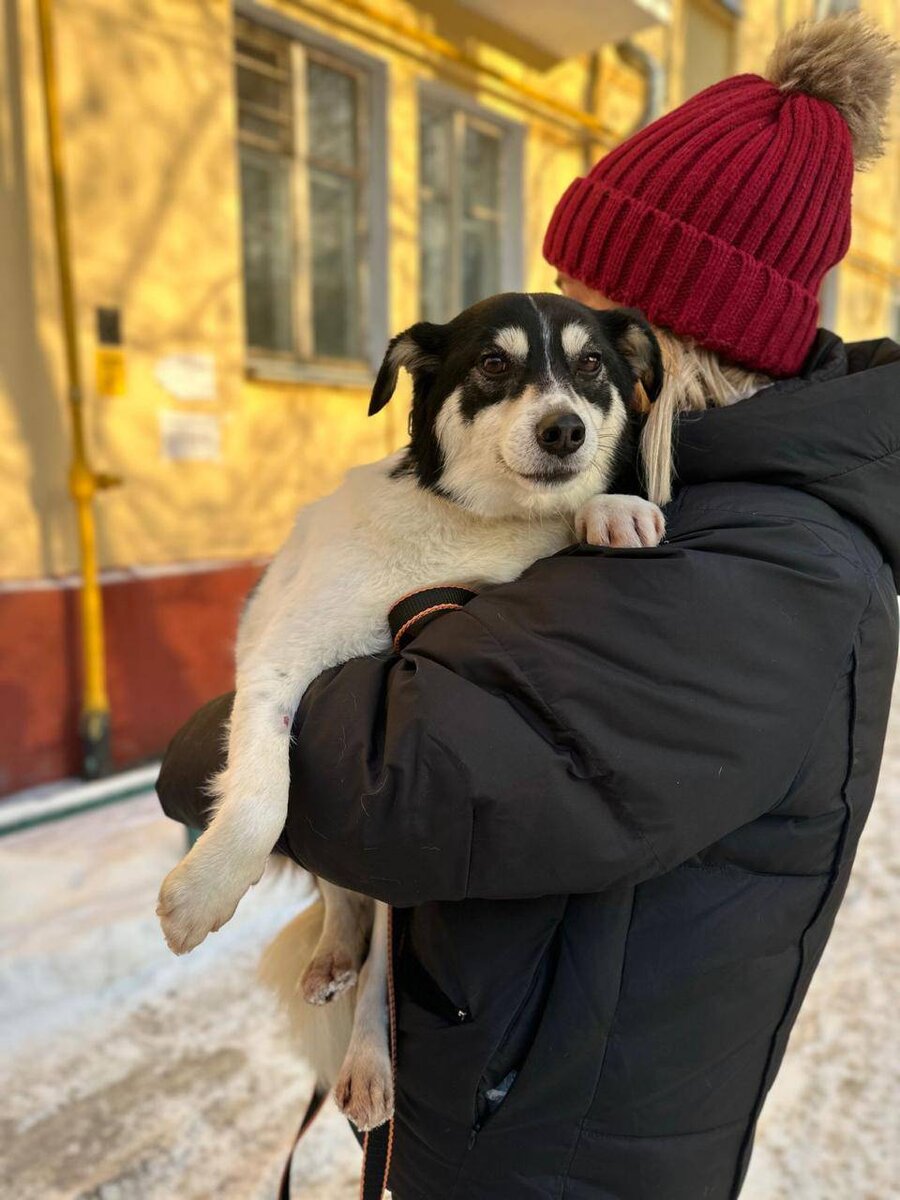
364	1091
196	898
620	521
329	974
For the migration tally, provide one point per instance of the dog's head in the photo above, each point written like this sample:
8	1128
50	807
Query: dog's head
521	403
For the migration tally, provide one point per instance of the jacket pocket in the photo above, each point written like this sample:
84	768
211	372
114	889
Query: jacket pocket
512	1049
424	990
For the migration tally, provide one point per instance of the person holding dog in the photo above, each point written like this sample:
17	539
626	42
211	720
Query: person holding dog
615	803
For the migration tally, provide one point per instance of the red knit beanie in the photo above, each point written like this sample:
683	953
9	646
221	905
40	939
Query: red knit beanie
721	218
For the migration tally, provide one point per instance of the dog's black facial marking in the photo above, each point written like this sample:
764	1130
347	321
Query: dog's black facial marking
622	337
590	381
495	333
425	457
481	388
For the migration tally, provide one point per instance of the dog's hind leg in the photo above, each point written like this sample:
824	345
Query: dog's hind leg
339	954
365	1086
321	1033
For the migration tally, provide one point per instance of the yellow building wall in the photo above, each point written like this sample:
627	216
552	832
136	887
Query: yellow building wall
147	94
148	104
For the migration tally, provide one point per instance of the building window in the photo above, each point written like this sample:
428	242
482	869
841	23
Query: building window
469	189
303	116
709	44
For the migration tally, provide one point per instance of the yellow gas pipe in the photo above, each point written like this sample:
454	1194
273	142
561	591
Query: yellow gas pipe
83	481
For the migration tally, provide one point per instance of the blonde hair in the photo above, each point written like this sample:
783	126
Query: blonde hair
693	379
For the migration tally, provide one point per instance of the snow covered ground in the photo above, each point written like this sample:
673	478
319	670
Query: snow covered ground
130	1075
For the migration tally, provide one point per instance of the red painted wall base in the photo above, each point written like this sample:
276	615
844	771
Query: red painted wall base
170	647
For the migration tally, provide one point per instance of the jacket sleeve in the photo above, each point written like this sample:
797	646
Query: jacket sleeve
596	722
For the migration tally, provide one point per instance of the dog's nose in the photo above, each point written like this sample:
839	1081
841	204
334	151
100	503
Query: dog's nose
560	433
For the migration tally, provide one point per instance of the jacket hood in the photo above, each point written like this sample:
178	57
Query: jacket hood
833	432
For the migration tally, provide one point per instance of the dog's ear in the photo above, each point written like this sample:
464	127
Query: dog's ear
635	340
417	348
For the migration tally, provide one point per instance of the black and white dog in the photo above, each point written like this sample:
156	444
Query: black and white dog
521	419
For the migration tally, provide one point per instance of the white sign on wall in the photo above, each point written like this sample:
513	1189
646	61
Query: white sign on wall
190	437
187	376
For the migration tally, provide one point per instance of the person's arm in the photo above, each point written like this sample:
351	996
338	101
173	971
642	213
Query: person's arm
597	722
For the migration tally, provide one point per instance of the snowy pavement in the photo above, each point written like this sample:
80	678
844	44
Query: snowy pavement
128	1074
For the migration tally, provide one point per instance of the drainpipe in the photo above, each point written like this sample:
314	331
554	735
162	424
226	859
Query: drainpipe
654	76
83	481
590	100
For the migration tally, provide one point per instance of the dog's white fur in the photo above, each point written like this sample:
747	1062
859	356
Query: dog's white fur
514	340
325	600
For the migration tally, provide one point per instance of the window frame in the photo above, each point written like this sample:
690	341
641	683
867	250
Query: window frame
374	298
464	109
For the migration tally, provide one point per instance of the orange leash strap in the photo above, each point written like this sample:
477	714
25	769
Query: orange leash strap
378	1145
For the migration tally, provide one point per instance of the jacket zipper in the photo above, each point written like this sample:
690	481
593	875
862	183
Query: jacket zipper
478	1123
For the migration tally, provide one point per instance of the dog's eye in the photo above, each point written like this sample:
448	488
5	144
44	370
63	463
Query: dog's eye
494	363
589	364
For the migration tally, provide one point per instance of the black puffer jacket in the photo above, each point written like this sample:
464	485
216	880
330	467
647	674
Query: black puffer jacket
623	795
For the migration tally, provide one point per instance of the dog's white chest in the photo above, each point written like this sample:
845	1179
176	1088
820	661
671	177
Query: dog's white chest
354	553
428	540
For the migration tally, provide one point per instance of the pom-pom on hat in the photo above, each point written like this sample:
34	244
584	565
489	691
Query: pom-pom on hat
720	219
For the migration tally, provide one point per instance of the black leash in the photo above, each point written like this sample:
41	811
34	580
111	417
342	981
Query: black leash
376	1161
376	1153
318	1098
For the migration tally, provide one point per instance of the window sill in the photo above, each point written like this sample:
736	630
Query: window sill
275	370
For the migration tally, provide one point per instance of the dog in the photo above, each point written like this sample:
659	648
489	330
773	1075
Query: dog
523	416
